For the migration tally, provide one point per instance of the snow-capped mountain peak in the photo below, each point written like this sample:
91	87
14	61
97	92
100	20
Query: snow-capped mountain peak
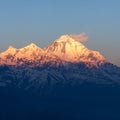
29	52
65	44
32	46
71	50
17	56
10	50
11	47
65	38
65	48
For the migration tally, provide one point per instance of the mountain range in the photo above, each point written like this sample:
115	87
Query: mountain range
66	49
64	62
64	81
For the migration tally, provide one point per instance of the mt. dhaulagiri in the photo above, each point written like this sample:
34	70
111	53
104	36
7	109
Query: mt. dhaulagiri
64	81
71	50
64	62
65	48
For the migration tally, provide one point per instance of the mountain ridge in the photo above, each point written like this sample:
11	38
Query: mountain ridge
44	84
65	48
31	67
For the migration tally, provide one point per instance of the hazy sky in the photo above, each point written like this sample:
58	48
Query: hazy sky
42	21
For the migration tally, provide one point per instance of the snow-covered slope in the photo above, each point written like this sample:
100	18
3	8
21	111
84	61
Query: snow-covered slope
30	52
66	49
71	50
14	56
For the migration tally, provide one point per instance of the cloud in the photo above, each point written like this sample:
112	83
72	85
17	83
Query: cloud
82	37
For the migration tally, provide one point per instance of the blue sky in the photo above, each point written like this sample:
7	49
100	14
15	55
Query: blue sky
42	21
